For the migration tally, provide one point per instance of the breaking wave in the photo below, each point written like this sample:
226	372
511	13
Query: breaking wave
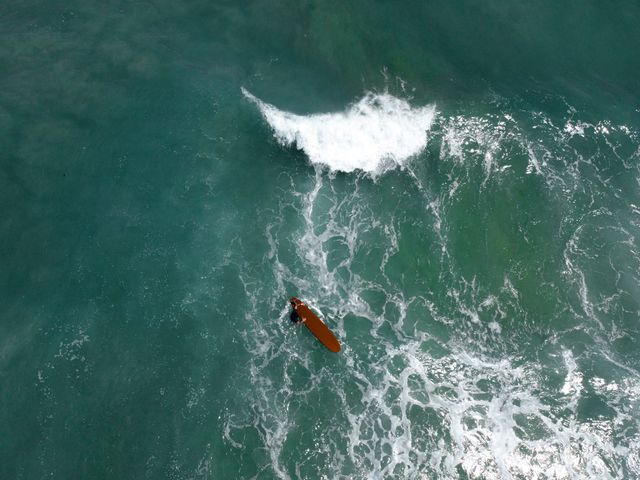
446	374
377	132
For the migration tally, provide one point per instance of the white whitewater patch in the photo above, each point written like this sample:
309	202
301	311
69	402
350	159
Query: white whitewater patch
377	132
408	405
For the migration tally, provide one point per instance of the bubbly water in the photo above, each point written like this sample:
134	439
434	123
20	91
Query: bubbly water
453	187
378	129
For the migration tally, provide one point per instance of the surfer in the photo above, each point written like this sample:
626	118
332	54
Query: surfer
303	314
295	318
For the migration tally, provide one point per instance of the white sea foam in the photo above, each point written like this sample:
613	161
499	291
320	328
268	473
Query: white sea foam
376	132
404	409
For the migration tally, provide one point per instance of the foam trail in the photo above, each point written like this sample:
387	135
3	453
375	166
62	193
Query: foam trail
413	403
378	132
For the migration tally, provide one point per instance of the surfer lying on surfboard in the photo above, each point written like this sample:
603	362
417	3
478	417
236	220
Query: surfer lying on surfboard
303	314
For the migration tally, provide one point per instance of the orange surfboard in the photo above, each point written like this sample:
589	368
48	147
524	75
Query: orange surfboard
317	326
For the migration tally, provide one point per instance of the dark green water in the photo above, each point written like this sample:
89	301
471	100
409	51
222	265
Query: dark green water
466	218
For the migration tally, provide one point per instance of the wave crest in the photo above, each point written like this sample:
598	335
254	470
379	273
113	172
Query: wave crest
377	132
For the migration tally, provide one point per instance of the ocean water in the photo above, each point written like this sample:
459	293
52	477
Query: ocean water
453	186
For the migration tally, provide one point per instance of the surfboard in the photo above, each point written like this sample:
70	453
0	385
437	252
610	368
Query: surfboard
317	326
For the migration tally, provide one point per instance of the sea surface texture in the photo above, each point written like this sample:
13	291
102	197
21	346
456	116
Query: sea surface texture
454	186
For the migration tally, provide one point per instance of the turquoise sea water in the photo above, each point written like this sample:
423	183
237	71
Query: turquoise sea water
453	186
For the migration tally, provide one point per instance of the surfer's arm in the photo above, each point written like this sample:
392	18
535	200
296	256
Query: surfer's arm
301	319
